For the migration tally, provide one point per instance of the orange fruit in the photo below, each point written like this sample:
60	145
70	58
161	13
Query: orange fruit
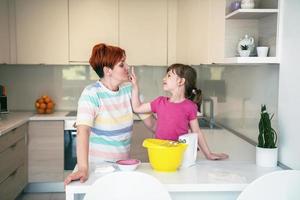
50	105
47	100
40	100
37	104
43	105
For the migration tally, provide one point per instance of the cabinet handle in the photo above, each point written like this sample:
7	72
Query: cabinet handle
13	131
13	146
13	173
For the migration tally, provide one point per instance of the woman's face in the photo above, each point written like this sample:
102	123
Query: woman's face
120	72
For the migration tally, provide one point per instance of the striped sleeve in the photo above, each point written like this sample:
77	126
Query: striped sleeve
88	105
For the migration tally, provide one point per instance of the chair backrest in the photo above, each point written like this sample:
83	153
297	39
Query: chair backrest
279	185
127	185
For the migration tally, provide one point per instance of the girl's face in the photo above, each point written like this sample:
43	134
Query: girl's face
171	81
120	72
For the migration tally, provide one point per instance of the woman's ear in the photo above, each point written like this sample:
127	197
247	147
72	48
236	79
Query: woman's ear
107	71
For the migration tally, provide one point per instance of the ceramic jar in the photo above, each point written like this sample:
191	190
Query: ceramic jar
247	42
247	4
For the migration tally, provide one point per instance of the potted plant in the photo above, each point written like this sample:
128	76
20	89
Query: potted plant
244	51
266	149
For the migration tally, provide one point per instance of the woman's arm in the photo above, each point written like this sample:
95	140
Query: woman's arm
203	144
137	106
83	133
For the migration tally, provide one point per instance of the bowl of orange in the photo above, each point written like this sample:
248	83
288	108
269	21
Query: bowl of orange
44	105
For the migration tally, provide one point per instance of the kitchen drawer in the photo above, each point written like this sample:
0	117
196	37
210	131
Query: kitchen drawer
11	137
11	187
12	158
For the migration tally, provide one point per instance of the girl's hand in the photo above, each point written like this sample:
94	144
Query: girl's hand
81	175
132	77
217	156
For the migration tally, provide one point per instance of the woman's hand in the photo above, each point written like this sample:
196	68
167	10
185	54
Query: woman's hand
81	175
133	78
216	156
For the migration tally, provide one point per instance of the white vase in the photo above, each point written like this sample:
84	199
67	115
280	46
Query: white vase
266	157
247	4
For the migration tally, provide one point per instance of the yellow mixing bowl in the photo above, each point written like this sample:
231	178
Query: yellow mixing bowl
164	155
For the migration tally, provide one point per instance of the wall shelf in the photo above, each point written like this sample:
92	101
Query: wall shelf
251	13
251	60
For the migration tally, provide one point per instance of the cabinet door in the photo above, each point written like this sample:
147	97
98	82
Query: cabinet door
143	31
45	151
139	134
4	32
217	31
193	25
91	22
201	29
42	31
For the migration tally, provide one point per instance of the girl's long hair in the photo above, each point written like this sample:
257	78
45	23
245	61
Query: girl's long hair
190	76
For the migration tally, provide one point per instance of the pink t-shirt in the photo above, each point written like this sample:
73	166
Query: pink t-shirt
172	118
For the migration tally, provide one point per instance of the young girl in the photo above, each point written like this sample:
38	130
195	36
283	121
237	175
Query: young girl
178	113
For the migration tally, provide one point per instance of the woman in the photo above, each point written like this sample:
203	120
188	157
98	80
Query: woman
104	114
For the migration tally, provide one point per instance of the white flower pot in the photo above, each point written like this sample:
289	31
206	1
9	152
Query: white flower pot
245	53
266	157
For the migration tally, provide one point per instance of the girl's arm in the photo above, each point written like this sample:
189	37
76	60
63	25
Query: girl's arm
203	144
83	133
137	106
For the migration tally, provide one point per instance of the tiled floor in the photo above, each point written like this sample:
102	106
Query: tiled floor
42	196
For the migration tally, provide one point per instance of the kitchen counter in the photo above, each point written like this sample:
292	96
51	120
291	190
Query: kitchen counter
13	120
208	179
58	115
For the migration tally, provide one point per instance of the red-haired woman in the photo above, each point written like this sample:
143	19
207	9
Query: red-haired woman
104	114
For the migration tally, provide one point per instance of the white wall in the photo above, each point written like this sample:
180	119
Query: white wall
289	85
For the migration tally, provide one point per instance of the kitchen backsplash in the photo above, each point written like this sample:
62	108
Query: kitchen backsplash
237	91
64	83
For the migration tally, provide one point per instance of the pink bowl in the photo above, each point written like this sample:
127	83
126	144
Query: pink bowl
128	162
128	165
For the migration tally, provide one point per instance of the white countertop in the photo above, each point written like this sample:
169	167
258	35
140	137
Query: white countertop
204	176
12	120
231	175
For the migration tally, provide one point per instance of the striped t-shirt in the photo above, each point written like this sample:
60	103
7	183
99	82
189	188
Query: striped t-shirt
109	114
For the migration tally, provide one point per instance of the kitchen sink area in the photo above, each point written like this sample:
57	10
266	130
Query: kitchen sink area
207	124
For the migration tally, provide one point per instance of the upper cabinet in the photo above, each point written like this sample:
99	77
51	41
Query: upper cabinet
91	22
200	31
144	31
260	22
4	32
42	31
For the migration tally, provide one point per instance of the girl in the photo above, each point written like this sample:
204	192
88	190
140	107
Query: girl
178	113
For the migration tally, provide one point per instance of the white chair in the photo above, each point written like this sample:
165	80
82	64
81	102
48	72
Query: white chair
127	185
279	185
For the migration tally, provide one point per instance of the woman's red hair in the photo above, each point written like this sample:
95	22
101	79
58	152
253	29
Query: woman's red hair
105	56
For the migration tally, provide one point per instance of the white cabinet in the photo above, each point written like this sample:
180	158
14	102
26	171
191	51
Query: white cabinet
42	31
4	32
143	31
261	23
91	22
200	31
